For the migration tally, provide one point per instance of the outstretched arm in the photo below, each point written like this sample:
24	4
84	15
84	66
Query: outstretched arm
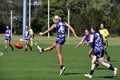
81	42
71	30
50	29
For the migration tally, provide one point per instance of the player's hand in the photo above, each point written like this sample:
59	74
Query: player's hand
41	33
76	36
85	43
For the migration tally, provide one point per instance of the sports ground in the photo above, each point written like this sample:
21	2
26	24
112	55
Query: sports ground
30	65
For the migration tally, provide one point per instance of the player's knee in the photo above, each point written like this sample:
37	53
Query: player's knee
26	43
101	62
93	62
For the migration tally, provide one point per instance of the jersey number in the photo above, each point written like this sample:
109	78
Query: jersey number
61	29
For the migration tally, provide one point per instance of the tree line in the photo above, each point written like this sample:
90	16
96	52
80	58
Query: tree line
83	14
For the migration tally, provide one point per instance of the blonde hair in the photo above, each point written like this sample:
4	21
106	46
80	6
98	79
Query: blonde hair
57	18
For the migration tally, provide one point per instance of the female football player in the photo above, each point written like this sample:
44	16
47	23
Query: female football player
86	38
105	33
27	38
98	49
8	38
60	27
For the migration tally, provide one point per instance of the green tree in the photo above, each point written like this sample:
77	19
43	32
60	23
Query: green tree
83	13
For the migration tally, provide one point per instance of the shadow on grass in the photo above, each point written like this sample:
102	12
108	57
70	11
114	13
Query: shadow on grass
73	73
113	61
107	77
101	69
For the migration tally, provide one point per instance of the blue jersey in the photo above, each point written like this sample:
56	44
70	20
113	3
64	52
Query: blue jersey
98	45
60	29
26	34
8	34
87	38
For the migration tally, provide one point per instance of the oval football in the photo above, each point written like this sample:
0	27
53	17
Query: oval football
18	45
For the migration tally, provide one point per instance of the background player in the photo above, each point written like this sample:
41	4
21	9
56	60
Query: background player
60	40
105	34
8	38
98	49
31	36
86	38
27	38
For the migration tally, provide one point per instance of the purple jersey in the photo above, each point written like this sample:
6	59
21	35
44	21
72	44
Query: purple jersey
98	45
60	29
8	34
26	35
87	38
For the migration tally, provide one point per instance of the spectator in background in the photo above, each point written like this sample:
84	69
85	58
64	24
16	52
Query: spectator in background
31	36
105	34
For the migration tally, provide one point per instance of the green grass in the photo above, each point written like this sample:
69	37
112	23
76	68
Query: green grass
20	65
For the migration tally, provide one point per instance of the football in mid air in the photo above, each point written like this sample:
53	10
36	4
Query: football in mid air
18	45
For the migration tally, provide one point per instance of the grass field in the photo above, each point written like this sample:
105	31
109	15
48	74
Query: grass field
20	65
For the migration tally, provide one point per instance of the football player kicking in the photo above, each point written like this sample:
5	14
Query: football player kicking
60	27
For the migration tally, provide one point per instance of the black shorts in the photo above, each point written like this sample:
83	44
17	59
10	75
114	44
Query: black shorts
8	38
60	41
99	54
